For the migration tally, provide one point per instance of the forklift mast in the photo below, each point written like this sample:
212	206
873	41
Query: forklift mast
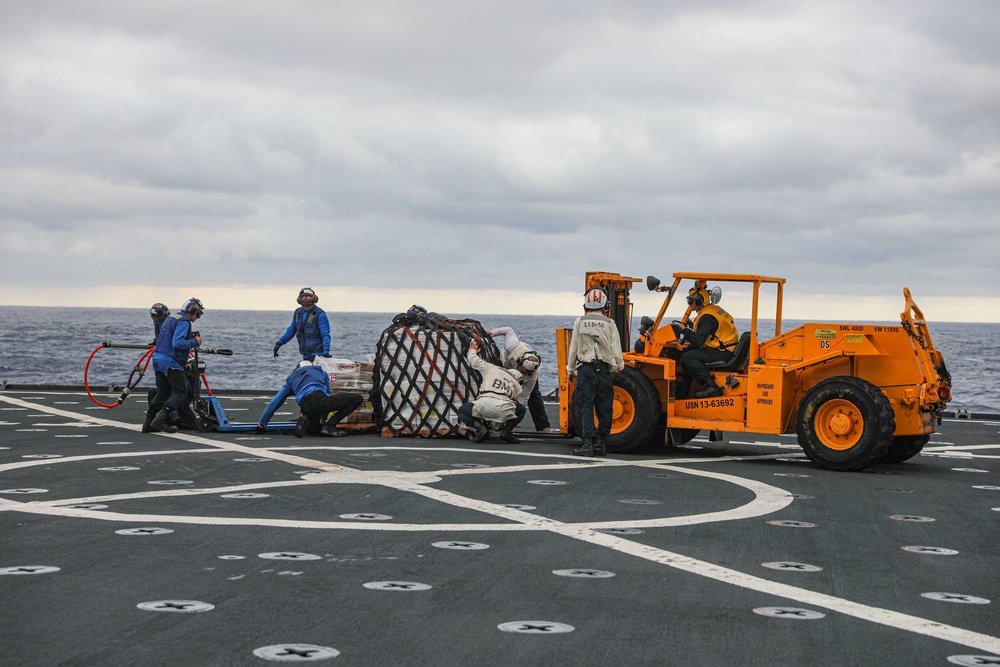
618	288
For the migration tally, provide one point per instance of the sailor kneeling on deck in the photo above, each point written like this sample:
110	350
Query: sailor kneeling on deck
310	385
496	400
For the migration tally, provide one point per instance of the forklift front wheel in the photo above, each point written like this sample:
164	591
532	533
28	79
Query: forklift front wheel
845	423
203	424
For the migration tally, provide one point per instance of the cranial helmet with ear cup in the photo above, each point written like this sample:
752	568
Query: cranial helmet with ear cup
307	295
193	307
159	312
530	362
698	296
595	299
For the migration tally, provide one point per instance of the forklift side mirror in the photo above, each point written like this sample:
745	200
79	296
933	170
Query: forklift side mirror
715	294
645	324
652	282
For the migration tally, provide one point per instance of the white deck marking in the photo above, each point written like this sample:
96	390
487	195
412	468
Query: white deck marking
887	617
965	450
218	444
770	498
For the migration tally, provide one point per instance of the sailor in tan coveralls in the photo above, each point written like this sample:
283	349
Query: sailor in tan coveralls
594	354
496	400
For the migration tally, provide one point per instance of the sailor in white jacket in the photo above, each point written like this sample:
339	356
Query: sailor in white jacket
594	354
518	354
496	400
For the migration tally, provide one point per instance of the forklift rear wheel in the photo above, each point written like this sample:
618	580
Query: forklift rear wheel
203	424
845	423
905	447
636	412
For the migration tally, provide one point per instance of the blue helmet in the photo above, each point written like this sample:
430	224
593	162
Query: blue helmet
159	312
193	307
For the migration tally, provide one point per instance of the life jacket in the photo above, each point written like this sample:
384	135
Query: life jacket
307	331
165	341
726	336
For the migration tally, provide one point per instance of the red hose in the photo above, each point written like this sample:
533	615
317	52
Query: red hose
139	366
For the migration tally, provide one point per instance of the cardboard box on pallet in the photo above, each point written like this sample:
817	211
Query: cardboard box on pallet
355	377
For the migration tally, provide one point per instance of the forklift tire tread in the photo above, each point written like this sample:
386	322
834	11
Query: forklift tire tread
845	423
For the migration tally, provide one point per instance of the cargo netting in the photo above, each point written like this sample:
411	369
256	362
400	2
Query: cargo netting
422	375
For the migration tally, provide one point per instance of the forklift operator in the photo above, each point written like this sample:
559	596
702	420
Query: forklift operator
712	337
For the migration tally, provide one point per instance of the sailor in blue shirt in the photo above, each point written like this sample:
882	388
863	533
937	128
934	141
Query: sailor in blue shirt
173	346
311	387
310	326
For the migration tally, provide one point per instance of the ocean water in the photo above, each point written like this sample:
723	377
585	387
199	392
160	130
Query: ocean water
50	345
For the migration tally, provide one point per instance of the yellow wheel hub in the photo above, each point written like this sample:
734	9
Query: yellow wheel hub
839	424
624	411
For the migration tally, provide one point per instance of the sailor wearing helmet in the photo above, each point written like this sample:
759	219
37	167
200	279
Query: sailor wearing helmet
310	326
711	337
594	354
496	400
173	346
519	355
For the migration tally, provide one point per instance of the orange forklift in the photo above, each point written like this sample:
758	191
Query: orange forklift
855	394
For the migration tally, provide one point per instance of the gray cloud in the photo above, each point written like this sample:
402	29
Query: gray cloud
841	144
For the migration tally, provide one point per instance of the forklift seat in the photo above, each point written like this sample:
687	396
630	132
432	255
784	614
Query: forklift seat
739	360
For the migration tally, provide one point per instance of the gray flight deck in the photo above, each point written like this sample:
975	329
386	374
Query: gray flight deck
123	548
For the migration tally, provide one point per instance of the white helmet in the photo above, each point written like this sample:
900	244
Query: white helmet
595	299
304	363
530	362
516	374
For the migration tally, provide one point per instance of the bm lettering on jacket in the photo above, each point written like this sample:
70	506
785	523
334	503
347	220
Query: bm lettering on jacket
501	385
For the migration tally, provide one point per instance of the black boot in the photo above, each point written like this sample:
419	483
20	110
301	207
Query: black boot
507	433
300	426
587	449
482	431
186	418
600	446
711	389
161	422
332	431
147	422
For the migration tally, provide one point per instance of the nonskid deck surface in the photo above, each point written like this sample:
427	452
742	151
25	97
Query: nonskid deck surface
118	547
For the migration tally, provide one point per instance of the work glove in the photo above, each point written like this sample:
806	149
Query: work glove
276	346
260	430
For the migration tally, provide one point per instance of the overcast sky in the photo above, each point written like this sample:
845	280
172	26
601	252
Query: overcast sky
480	156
